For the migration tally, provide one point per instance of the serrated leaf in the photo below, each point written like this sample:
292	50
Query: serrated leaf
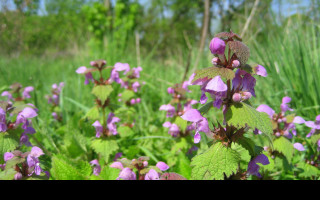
215	163
314	138
284	146
109	173
93	113
241	115
65	169
212	72
102	92
8	143
248	144
105	147
241	50
308	170
7	174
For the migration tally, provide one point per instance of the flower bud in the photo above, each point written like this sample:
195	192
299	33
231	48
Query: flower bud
132	101
138	100
217	46
278	134
215	60
145	163
170	90
246	95
236	97
235	63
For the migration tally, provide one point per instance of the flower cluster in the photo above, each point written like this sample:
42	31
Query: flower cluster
54	100
17	92
25	164
24	116
177	107
109	129
283	125
141	166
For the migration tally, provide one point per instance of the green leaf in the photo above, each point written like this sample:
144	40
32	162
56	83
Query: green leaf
7	174
8	143
102	92
241	115
127	95
284	146
216	163
308	170
105	147
65	169
109	173
248	144
183	166
181	123
93	113
204	109
212	72
125	131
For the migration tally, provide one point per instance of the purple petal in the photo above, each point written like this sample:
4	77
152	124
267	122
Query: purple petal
36	152
8	156
81	70
298	120
299	146
217	46
217	85
152	175
197	138
266	109
192	115
261	71
162	166
117	165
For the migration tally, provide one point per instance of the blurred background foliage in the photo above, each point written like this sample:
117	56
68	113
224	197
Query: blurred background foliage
282	35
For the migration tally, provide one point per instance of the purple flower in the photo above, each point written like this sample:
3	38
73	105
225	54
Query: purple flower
162	166
3	122
88	75
33	160
99	128
284	107
253	168
18	176
114	77
127	174
216	85
135	86
118	155
261	71
152	175
97	167
8	156
8	94
170	90
299	146
111	123
169	108
266	109
136	72
173	129
122	67
117	165
26	92
199	122
313	125
188	105
217	46
24	115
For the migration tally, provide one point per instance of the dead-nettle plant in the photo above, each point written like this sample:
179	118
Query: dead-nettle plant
54	101
230	83
107	109
15	129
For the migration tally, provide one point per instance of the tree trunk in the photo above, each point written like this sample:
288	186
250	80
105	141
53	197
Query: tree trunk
204	34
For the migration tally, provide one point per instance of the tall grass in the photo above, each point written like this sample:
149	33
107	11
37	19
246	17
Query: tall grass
291	58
